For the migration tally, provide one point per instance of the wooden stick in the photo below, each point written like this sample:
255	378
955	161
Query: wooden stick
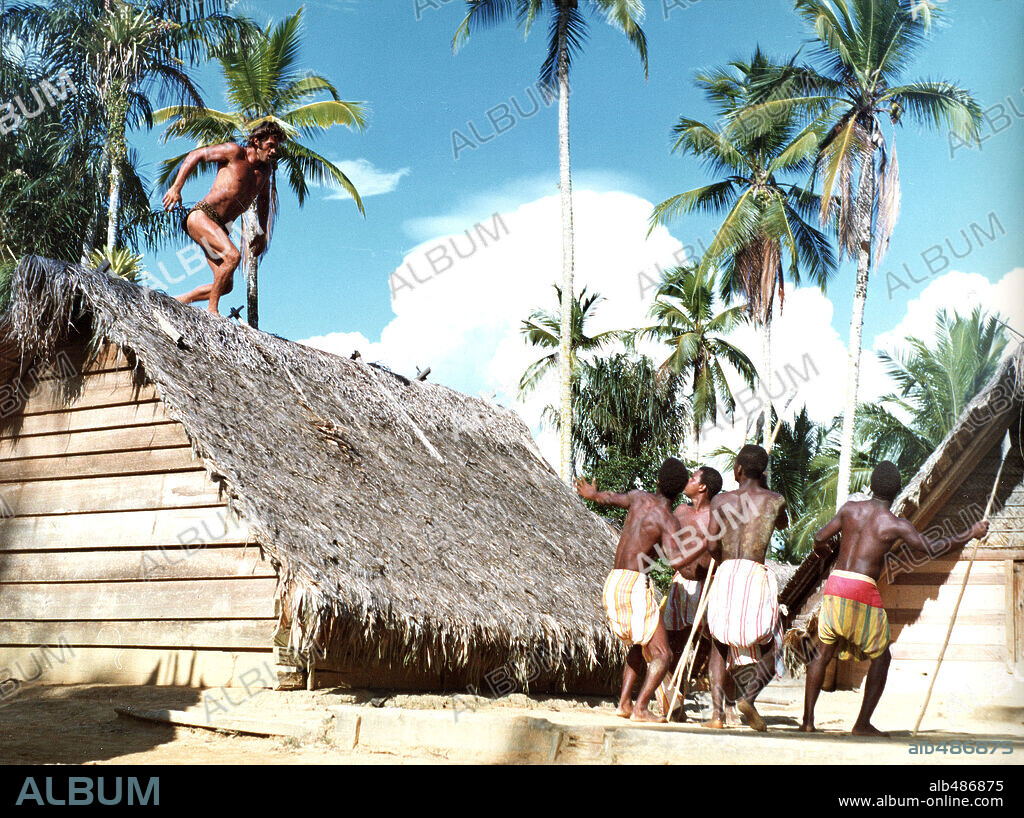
684	659
963	586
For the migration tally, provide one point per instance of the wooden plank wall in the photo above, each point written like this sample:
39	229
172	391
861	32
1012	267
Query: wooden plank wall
115	543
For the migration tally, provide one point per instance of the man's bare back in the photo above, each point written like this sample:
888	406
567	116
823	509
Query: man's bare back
743	520
851	613
629	601
869	530
649	523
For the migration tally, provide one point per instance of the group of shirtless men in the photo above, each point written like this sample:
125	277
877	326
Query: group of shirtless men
734	528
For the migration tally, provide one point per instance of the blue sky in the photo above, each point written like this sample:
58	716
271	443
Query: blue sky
328	268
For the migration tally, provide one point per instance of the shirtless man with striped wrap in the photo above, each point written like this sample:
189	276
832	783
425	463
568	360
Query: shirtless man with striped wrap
851	618
743	608
629	600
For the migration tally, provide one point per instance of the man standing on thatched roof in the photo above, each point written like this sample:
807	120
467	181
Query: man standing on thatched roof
851	618
679	608
629	599
243	172
743	607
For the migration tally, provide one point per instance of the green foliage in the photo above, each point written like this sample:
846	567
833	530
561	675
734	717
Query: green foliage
544	329
765	217
624	410
934	384
688	323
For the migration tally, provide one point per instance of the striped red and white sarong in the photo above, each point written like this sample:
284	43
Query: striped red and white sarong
743	611
679	609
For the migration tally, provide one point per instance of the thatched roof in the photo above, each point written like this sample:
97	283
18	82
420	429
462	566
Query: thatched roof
413	525
981	426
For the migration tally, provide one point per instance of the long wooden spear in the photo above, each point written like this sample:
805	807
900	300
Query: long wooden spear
963	586
684	660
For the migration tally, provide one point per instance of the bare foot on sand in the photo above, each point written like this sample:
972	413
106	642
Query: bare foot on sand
867	730
643	714
624	711
752	717
807	728
715	724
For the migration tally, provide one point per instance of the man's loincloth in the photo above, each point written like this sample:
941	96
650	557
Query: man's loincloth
209	210
852	616
679	608
743	611
631	606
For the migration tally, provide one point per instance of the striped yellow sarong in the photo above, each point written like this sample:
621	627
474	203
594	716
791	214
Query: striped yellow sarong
852	616
631	606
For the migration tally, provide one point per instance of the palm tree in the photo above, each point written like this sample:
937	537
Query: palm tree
934	384
864	47
765	218
627	417
63	38
567	31
265	85
128	51
542	329
684	308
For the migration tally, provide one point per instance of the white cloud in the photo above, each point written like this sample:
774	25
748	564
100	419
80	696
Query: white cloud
959	292
368	179
461	294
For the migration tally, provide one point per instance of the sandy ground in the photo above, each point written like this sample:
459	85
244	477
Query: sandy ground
78	725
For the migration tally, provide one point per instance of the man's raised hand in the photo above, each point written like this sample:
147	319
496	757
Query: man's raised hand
172	199
586	490
979	530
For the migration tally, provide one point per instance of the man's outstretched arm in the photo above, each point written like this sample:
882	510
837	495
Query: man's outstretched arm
588	491
916	541
214	153
825	539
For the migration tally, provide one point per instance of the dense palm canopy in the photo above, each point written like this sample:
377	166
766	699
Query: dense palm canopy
934	383
625	412
688	321
542	329
853	87
765	218
122	54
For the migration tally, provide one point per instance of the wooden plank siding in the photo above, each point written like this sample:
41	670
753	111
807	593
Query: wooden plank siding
117	544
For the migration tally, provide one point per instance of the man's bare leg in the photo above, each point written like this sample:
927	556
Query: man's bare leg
661	658
815	679
754	680
873	687
717	666
635	667
222	256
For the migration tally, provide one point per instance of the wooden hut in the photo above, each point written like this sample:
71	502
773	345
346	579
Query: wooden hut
946	496
186	500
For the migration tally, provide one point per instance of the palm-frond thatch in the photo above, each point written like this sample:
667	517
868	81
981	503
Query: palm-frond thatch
412	526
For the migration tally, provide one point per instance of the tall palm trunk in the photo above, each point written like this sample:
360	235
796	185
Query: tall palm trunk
766	388
117	111
114	207
864	206
565	184
89	240
251	262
